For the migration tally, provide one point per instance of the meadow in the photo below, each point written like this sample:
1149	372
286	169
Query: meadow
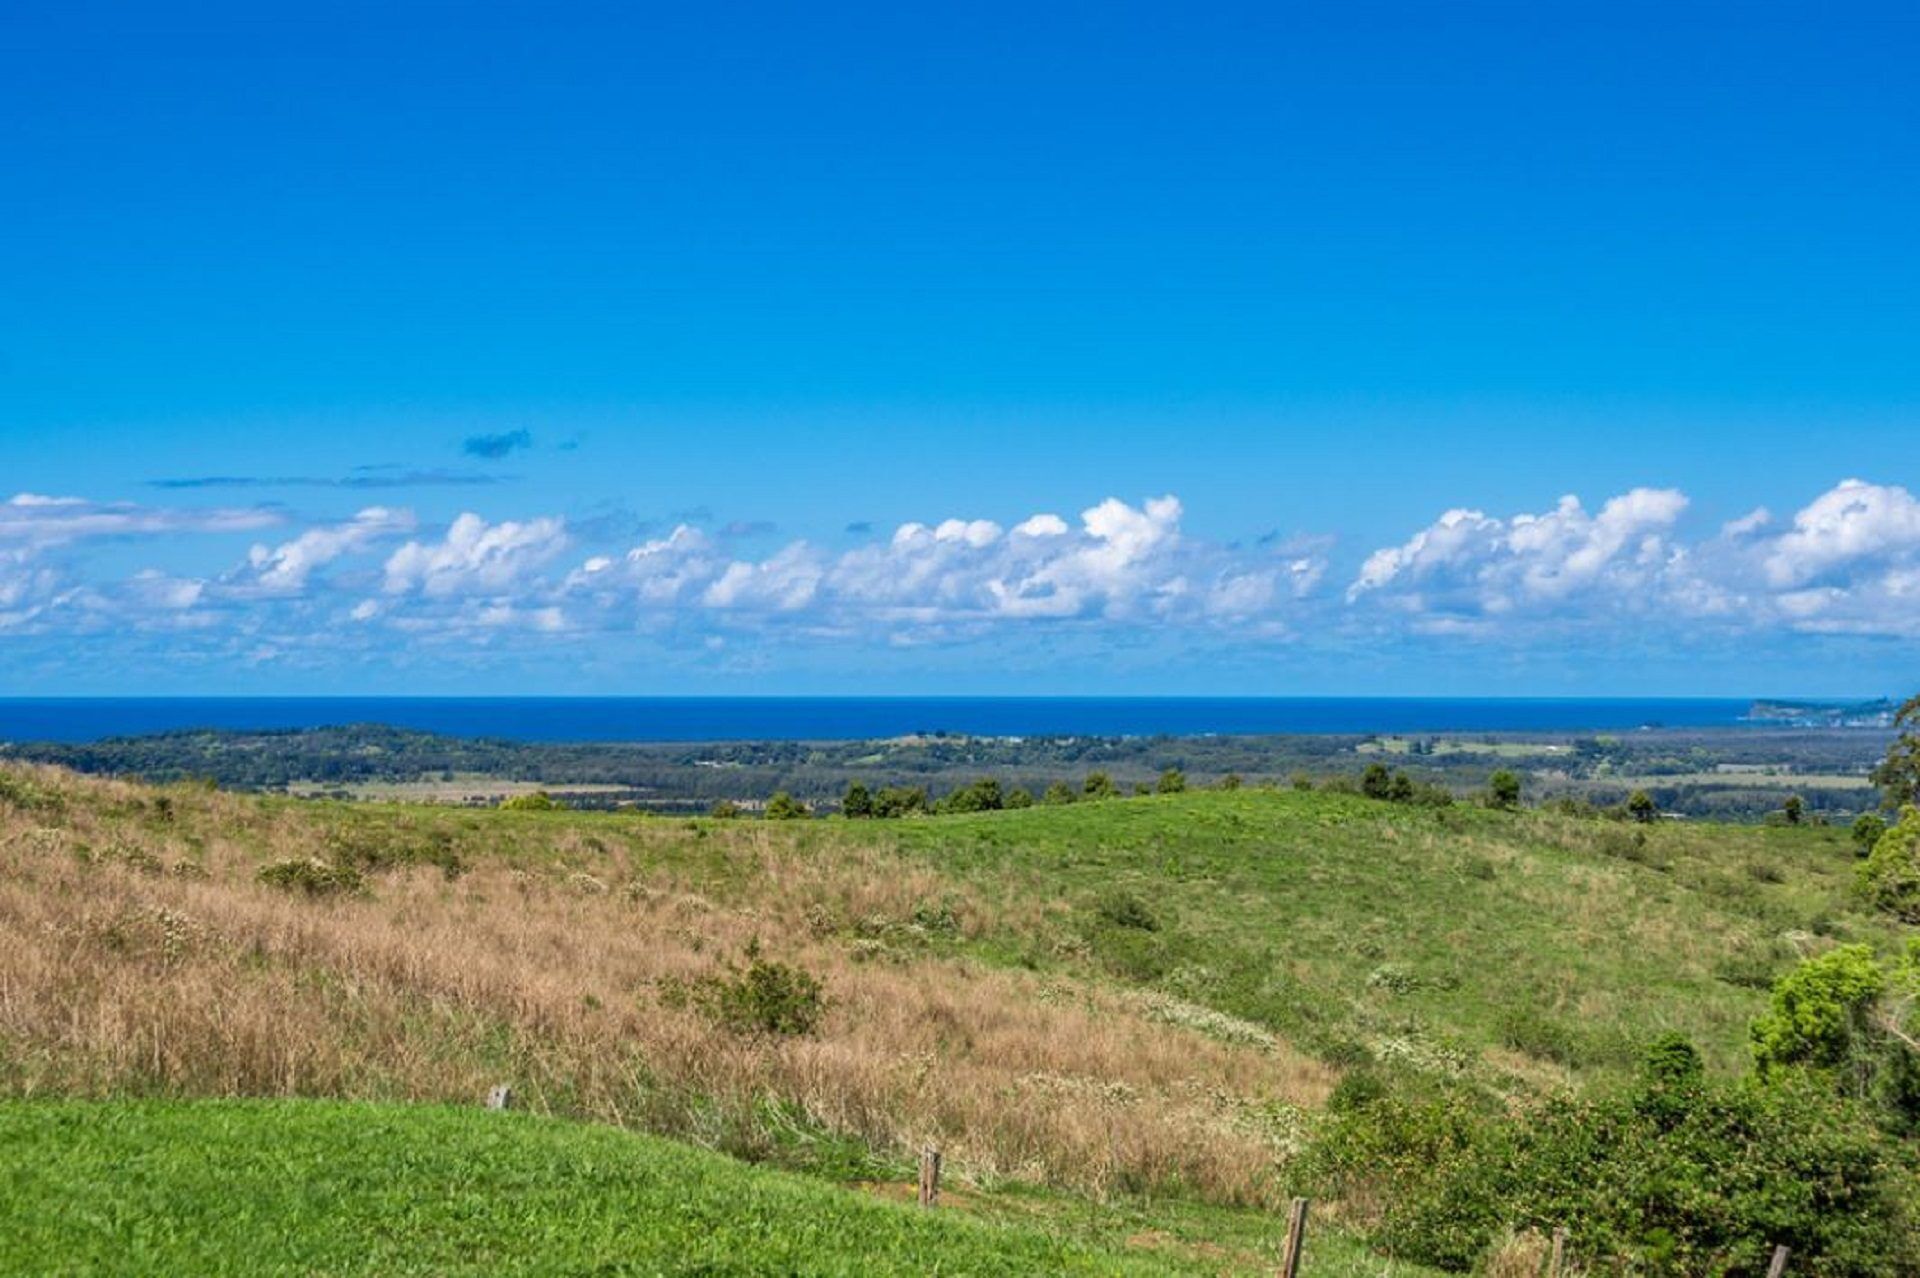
1122	1021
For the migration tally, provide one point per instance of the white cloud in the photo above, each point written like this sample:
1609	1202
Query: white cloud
476	557
1851	523
286	568
35	520
1468	563
1042	525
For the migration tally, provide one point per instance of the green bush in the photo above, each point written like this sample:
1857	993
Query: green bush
1890	876
312	877
538	801
784	807
762	997
1503	790
1058	794
1172	781
1124	909
1867	829
1677	1174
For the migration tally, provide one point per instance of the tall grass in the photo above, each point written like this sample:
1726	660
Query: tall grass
141	953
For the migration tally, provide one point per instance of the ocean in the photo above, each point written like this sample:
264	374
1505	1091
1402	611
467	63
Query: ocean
852	718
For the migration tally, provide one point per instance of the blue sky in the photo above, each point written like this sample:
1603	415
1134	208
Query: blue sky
325	282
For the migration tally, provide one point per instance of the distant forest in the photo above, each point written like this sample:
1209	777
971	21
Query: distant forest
1734	774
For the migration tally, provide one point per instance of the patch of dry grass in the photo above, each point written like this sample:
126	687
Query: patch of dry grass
139	953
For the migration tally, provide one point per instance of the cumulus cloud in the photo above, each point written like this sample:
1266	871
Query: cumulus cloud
1852	524
1846	562
287	567
1467	563
476	557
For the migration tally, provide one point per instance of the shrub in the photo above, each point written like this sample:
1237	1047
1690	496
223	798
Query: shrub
538	801
724	810
1867	829
899	801
762	997
1057	794
784	807
1231	781
983	795
1890	876
312	877
1124	909
1099	785
1376	782
1019	797
1642	808
1677	1174
1172	781
857	803
1503	790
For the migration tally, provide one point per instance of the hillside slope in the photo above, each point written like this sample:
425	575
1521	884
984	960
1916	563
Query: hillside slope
215	1188
1142	1001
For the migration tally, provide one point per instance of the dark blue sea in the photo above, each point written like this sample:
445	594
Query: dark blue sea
851	718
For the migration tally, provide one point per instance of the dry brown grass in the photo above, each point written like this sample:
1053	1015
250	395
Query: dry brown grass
139	953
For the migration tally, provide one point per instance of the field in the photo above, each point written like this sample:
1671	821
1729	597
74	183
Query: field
1121	1021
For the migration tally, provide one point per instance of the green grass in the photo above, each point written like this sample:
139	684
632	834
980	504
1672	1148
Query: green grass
1433	937
225	1187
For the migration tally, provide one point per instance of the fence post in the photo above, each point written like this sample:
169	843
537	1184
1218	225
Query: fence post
1559	1252
929	1177
1778	1265
1296	1239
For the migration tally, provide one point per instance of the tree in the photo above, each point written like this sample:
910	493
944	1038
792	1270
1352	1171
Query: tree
1019	797
1231	781
1890	876
1099	786
1867	829
858	802
1642	808
982	796
1793	809
899	801
1898	775
784	807
1058	794
1172	781
724	810
1376	782
1503	790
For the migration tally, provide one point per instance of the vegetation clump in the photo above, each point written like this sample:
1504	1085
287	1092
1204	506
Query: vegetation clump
1890	876
760	996
312	877
538	801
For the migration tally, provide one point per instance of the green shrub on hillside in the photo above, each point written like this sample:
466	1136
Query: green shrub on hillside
538	801
762	997
1890	876
1678	1174
312	877
784	807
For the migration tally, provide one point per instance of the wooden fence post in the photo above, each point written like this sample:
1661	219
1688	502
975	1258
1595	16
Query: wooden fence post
1559	1252
929	1177
1778	1265
1296	1239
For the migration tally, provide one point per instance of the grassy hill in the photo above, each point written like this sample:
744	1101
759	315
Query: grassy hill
1122	1021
